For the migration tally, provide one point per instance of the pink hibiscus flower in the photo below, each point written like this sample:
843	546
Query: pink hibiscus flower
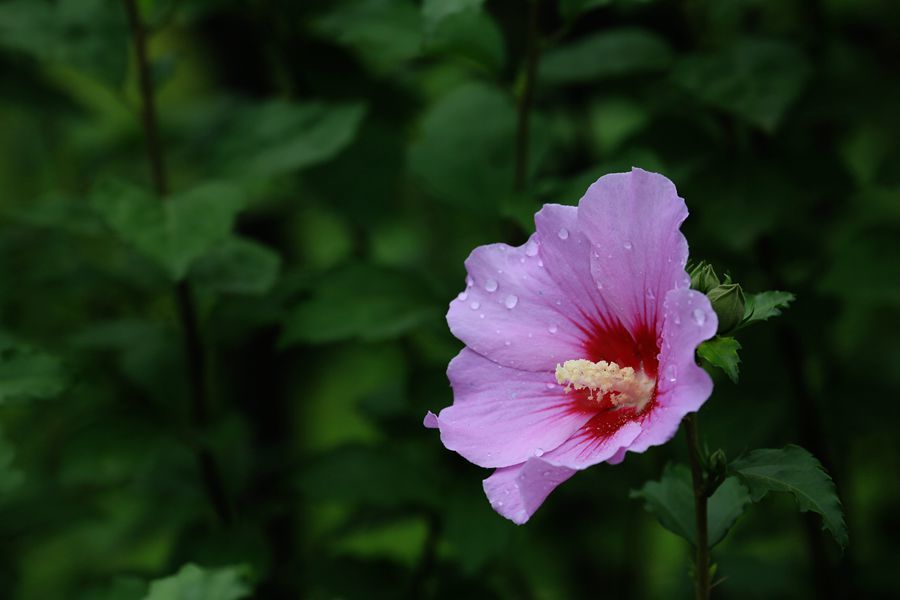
579	344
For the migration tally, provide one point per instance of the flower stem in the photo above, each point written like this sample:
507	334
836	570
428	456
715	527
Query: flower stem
526	99
701	495
187	314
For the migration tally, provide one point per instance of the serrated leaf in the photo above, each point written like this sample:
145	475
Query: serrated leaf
198	583
174	232
722	352
765	305
277	137
756	79
237	266
671	499
794	470
359	301
27	373
609	54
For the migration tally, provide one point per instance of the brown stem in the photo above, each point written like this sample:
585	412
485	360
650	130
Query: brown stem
527	98
187	314
701	495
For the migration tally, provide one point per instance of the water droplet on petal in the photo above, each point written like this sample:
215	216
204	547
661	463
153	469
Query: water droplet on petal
463	295
628	245
507	343
531	249
599	286
475	305
677	320
550	386
699	316
553	329
563	234
538	452
671	373
500	503
469	281
481	316
490	285
541	264
511	301
546	473
650	294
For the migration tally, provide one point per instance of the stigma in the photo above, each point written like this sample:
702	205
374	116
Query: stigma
625	387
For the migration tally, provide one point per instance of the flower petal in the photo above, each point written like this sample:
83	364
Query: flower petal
430	421
513	312
502	416
517	491
683	385
601	439
637	252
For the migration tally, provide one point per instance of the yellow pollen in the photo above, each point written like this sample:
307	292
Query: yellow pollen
625	386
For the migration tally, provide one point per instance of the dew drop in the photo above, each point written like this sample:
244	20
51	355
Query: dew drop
481	316
546	473
550	386
538	452
677	320
463	295
563	234
599	286
469	281
531	249
541	264
507	343
628	245
650	294
699	316
475	305
500	503
553	329
511	301
490	285
671	373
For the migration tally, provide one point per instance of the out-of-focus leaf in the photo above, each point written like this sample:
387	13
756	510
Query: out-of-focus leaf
121	588
765	305
671	499
615	120
382	33
277	137
572	8
26	373
756	80
90	35
469	34
608	54
198	583
174	232
10	477
794	470
722	352
237	266
465	164
434	12
359	301
371	476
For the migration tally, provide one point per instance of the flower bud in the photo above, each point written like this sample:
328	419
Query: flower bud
703	277
728	302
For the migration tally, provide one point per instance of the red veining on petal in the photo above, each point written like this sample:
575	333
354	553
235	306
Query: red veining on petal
614	343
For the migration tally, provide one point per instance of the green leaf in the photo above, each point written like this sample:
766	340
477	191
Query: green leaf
382	33
359	301
10	477
237	266
197	583
609	54
756	79
572	8
174	232
434	12
763	306
722	352
277	137
467	166
671	499
468	34
26	373
794	470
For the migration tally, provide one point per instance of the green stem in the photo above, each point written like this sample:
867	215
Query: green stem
701	495
526	99
184	303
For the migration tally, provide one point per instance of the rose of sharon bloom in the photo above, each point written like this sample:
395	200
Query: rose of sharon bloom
579	344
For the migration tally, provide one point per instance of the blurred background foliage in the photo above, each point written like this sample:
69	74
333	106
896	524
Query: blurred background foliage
331	164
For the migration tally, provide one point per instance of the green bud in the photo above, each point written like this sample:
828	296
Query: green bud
728	302
703	277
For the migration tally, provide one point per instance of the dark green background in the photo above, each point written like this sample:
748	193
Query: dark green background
340	160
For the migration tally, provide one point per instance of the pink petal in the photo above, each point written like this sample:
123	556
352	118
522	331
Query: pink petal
502	416
430	421
593	444
683	386
514	313
517	491
637	251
